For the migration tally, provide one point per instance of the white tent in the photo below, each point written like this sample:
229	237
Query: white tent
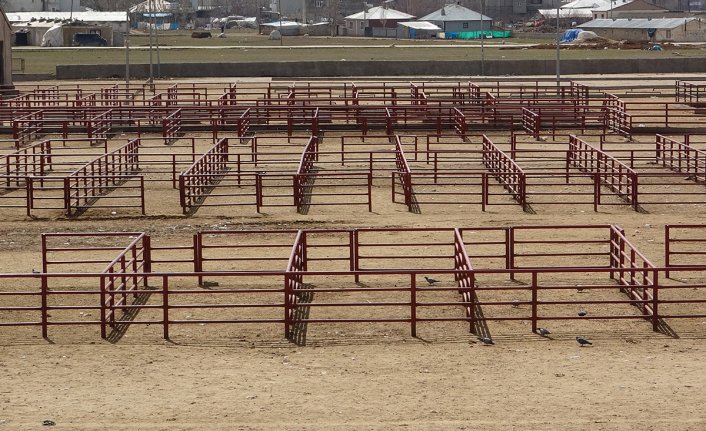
54	36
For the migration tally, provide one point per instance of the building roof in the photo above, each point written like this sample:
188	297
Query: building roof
92	16
380	13
154	6
455	12
612	5
575	9
635	5
643	23
421	25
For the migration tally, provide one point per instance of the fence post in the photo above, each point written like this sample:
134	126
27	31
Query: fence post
655	300
510	250
484	191
45	311
596	191
30	195
146	257
356	254
258	192
633	192
288	306
104	332
198	256
471	299
165	307
413	304
142	194
370	192
534	301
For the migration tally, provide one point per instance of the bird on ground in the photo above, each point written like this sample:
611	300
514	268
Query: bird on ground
487	341
430	280
583	341
34	271
582	313
515	303
543	332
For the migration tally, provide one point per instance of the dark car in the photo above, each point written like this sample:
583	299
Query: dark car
89	39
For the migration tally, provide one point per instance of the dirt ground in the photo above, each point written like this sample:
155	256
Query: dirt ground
353	376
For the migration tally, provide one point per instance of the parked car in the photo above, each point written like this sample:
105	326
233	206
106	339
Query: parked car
89	39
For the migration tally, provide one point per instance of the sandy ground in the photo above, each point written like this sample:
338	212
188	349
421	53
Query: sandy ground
652	383
357	377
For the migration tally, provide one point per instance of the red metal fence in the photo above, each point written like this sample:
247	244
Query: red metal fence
103	175
689	92
196	182
505	171
681	157
373	282
612	173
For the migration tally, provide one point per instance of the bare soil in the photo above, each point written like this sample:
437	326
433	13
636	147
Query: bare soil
351	376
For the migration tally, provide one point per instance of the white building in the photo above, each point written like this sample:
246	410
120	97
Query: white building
117	21
42	5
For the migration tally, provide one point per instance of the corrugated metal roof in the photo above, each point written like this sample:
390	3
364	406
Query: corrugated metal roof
631	5
575	9
566	13
612	5
421	25
455	12
92	16
637	23
380	13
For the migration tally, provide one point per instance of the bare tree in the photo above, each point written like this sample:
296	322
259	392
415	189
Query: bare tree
332	12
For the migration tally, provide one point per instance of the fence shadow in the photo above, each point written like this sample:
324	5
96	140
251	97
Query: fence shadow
129	315
214	181
301	314
306	188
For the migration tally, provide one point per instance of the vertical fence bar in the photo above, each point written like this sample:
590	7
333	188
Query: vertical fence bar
534	301
165	307
413	304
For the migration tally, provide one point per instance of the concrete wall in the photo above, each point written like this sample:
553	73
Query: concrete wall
387	68
5	52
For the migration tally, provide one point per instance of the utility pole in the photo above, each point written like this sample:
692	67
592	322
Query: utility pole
149	23
127	51
558	55
482	39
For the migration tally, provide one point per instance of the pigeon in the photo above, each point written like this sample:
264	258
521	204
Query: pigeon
487	341
582	341
430	280
543	332
583	313
515	303
34	271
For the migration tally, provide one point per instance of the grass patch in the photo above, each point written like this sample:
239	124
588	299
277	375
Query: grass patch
250	47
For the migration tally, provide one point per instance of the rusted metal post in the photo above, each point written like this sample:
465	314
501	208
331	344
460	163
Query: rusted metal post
667	249
165	307
535	287
45	307
413	304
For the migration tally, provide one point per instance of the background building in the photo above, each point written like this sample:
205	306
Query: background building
649	30
456	18
376	22
42	5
